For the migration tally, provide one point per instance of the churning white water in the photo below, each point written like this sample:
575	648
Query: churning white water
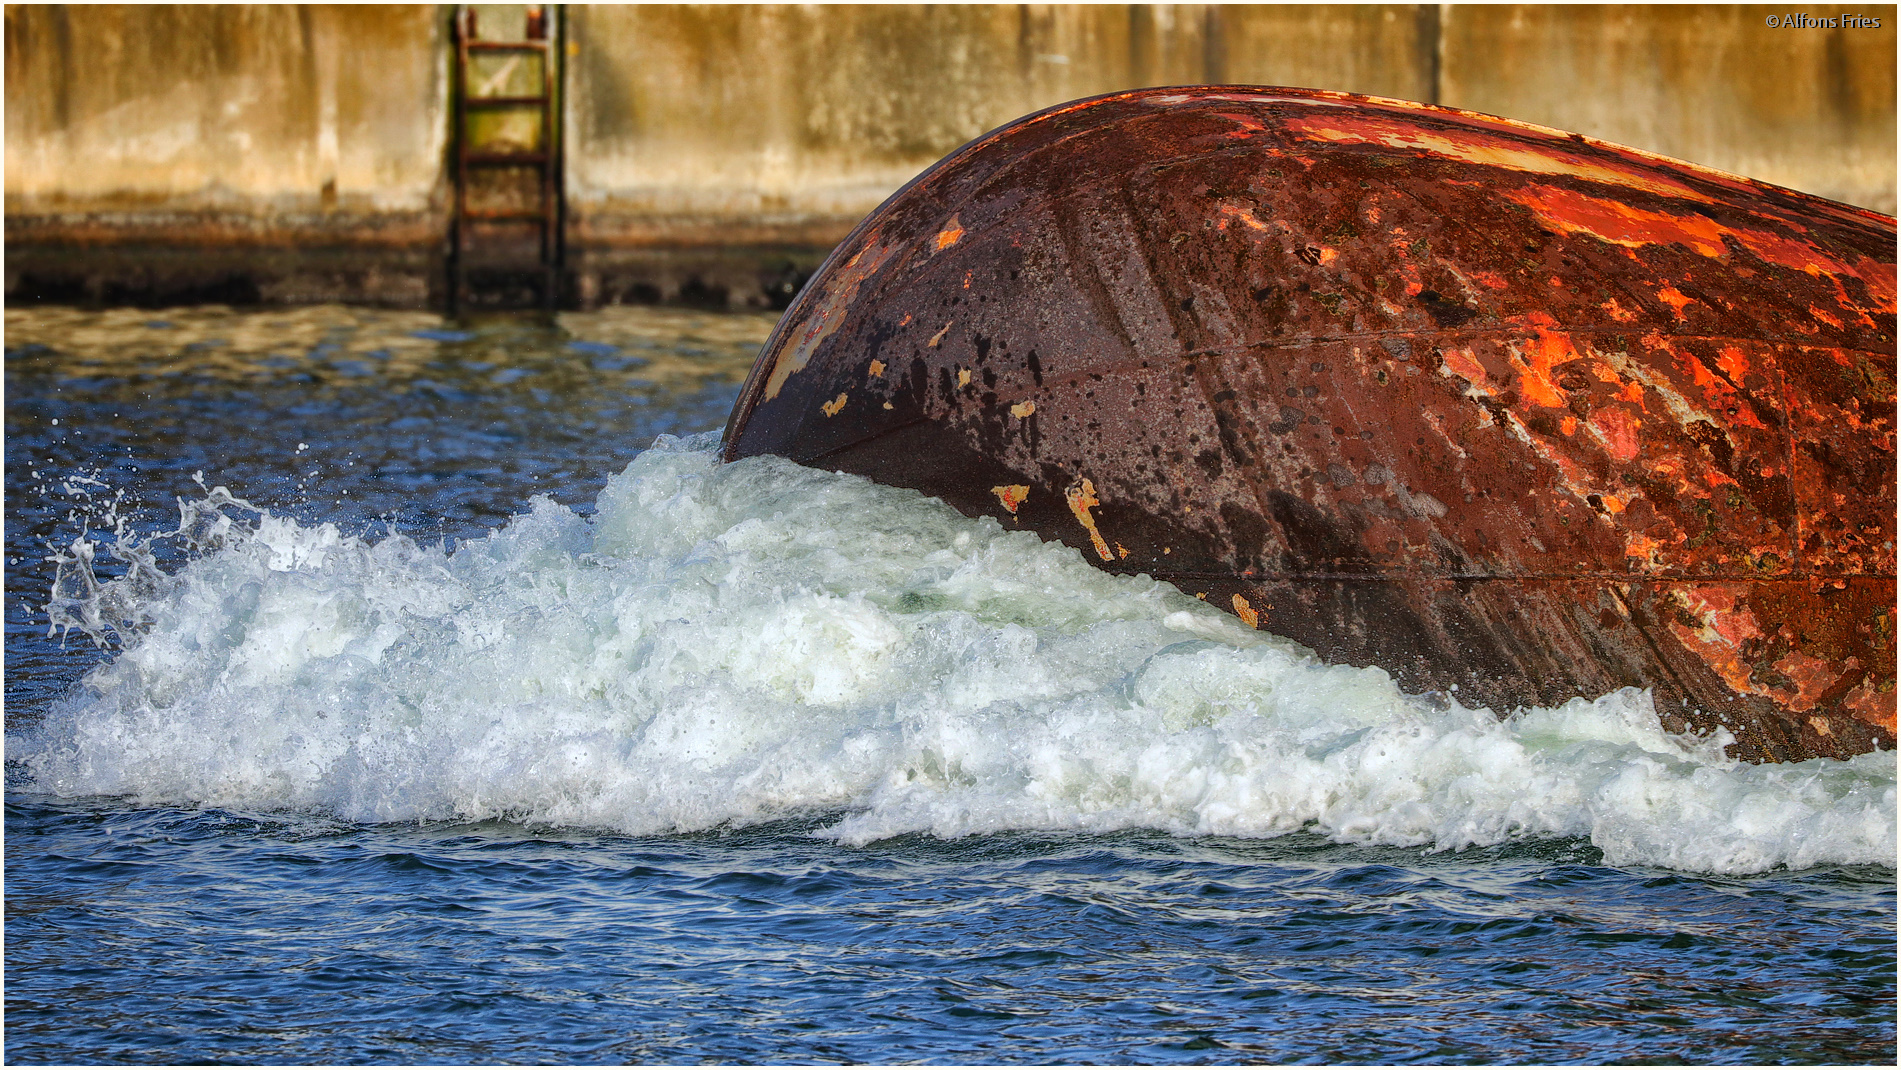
734	643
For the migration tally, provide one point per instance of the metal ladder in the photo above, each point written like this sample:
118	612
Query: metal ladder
505	246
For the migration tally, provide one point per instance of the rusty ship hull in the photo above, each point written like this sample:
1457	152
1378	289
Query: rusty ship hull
1500	409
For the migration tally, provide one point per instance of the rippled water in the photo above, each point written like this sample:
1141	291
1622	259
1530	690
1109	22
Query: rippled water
454	731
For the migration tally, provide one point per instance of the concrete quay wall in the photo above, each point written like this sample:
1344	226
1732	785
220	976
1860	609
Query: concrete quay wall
291	153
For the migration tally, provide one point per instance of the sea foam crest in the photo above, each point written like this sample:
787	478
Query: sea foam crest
733	643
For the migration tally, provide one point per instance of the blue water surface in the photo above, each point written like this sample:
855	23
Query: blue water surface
168	936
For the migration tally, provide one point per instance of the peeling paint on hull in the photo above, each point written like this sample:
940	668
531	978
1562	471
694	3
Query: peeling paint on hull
1488	405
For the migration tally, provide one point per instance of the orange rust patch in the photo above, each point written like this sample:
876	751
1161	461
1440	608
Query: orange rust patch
1631	227
1462	363
1644	548
1723	614
963	377
1249	126
1802	256
1478	148
1821	726
1548	350
1246	612
1011	495
1849	304
1082	498
1229	213
1717	392
1871	704
1718	643
1618	312
832	407
1733	363
1675	298
950	234
1023	409
1880	280
877	369
1812	677
939	336
1620	224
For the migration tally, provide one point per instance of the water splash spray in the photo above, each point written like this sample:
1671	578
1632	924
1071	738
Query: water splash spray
726	644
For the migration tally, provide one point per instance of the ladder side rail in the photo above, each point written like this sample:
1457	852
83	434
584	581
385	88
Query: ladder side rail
459	217
557	105
549	150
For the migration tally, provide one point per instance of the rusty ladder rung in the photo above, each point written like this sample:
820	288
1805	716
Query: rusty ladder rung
504	159
478	215
506	46
502	102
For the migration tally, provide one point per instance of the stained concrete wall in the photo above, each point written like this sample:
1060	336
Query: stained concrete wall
280	110
245	151
715	152
773	129
1811	109
745	113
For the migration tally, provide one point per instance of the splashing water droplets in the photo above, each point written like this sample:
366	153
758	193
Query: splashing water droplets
725	644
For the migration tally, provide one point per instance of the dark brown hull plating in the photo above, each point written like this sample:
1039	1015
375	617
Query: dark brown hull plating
1491	406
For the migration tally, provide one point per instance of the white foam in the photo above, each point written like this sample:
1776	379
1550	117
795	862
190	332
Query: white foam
730	643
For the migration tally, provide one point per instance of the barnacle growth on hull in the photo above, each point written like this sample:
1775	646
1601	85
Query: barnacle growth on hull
1479	402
